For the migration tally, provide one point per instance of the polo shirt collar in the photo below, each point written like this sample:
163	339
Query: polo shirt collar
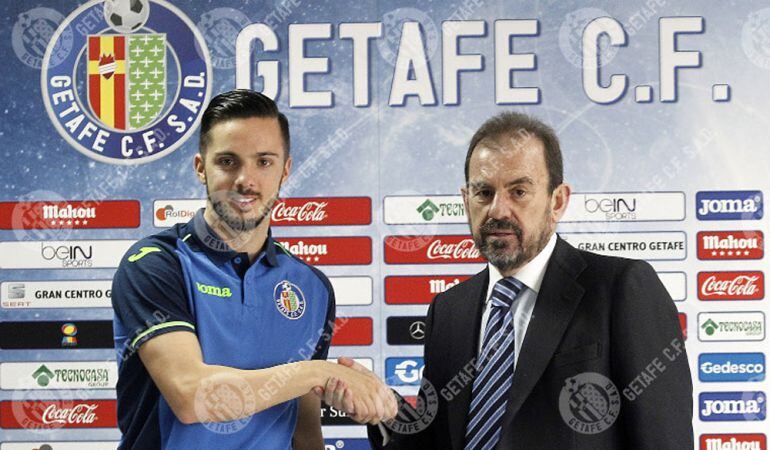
210	243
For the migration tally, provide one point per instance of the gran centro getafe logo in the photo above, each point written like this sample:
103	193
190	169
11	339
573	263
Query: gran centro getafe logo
133	87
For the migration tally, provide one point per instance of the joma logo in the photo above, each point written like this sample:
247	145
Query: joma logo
217	291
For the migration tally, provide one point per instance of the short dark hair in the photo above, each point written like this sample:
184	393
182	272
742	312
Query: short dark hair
241	104
522	125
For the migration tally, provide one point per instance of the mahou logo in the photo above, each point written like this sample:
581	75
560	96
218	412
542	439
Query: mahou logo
330	250
733	442
69	214
431	250
731	285
322	211
418	289
41	414
731	244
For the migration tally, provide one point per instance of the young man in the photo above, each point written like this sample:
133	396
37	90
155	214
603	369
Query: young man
221	333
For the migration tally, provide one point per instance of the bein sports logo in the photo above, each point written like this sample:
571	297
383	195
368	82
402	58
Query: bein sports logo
729	205
732	406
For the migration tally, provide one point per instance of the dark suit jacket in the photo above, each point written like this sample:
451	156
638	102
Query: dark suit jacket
593	313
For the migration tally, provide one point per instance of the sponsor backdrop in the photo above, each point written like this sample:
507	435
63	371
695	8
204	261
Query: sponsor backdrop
661	108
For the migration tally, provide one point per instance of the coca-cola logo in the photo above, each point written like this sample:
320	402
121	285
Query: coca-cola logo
460	250
78	414
50	414
307	212
731	285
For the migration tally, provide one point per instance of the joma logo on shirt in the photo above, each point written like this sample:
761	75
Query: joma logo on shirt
214	290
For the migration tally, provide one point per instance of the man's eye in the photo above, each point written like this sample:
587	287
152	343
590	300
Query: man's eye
519	193
484	193
265	162
226	162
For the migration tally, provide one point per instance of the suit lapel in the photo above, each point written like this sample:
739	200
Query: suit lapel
466	320
556	302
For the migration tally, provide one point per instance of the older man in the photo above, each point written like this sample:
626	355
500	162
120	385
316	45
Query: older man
548	347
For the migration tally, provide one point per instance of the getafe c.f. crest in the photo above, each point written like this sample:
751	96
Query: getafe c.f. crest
289	300
135	84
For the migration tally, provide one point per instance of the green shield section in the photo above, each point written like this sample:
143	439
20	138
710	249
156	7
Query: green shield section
146	78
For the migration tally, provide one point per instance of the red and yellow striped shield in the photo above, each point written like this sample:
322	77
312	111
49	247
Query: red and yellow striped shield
107	79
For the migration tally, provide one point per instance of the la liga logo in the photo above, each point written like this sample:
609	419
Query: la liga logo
133	87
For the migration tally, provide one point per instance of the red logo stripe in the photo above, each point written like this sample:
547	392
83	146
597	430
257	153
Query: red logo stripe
405	290
352	331
731	285
69	214
31	414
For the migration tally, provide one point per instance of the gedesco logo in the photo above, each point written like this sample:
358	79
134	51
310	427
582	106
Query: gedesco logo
404	371
730	367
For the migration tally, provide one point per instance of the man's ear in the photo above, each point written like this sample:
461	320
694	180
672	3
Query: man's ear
200	168
560	201
286	169
464	192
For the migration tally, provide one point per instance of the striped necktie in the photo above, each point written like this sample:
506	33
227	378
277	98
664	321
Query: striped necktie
494	369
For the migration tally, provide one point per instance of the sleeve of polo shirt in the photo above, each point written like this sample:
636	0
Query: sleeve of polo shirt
148	293
322	348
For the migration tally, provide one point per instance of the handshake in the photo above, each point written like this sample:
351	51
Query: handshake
358	392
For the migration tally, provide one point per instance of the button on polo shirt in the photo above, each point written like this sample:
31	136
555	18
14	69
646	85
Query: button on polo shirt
245	315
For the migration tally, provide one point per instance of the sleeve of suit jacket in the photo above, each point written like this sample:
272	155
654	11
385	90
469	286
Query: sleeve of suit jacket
649	363
424	439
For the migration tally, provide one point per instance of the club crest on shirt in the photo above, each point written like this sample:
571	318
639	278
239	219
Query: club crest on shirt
289	300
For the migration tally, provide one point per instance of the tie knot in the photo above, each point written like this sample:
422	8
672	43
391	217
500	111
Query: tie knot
505	292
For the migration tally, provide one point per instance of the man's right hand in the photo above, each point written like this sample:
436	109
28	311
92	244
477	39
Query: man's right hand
358	392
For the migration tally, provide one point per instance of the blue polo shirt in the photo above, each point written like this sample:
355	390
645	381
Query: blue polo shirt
248	316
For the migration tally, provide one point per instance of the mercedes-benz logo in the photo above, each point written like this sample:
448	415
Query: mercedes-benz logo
417	330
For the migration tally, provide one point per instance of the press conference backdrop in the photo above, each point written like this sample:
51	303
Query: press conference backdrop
661	108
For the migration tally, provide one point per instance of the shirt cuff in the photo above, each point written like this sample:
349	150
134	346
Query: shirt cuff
385	434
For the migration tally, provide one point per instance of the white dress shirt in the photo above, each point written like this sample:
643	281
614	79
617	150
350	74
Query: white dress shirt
531	276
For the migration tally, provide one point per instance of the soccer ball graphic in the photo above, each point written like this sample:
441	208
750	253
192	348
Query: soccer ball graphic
126	16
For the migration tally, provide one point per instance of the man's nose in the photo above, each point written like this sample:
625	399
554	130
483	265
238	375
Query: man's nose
247	176
501	207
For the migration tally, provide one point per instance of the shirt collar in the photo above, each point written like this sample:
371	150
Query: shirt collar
532	273
208	241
